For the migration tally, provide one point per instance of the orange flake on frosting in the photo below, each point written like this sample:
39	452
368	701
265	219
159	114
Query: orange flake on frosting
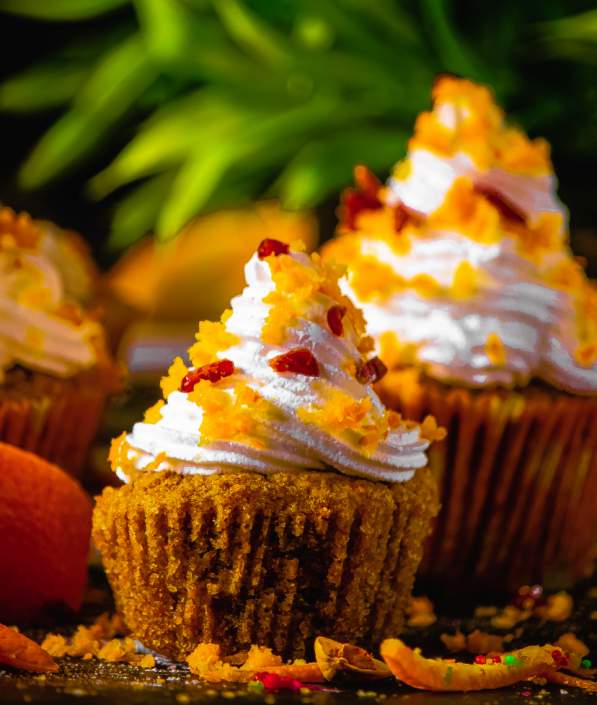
341	413
212	338
495	350
171	382
402	170
18	230
430	431
517	153
586	355
154	413
465	281
547	234
469	212
34	338
231	415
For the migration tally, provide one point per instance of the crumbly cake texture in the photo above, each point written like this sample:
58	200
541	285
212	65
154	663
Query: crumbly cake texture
518	479
240	558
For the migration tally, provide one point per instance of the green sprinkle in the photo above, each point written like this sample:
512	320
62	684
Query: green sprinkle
511	660
586	663
255	685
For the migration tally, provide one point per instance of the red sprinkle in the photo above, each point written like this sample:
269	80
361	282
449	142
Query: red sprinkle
270	246
273	681
505	207
299	360
355	202
214	372
335	316
496	659
371	371
480	659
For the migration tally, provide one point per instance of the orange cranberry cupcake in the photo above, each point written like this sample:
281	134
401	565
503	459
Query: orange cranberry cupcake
270	496
462	266
55	370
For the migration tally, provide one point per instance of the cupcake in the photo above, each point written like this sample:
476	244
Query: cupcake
270	496
55	371
462	266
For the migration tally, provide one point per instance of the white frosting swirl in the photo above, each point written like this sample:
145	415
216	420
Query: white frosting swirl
32	333
282	440
464	143
533	321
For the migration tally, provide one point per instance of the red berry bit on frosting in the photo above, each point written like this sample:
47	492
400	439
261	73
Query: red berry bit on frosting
505	208
213	372
335	316
371	371
269	246
363	198
299	360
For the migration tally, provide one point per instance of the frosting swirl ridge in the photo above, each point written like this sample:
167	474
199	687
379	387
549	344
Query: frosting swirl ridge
462	264
281	385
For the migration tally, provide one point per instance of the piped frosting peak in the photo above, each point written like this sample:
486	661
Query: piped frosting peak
282	382
461	262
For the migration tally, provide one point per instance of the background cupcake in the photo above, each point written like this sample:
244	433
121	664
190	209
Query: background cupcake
462	266
270	496
55	371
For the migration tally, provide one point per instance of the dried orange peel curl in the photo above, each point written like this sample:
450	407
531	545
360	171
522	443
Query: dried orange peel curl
20	652
412	668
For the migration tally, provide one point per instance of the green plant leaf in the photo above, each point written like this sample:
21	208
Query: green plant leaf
251	31
451	49
166	26
137	212
60	10
42	87
106	95
168	137
323	167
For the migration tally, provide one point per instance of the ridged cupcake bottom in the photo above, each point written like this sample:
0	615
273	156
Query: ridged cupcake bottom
242	558
56	419
518	480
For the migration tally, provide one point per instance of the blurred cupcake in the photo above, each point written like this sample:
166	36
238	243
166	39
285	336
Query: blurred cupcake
462	266
270	496
55	372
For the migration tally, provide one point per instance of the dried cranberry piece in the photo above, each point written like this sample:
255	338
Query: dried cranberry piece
355	202
363	198
299	360
214	372
560	658
506	208
335	316
269	246
371	371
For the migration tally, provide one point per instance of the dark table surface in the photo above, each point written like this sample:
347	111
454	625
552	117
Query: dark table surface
99	682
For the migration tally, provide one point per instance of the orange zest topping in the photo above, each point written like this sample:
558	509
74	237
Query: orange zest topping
172	381
154	413
495	350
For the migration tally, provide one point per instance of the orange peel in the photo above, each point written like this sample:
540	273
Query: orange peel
18	651
415	670
571	681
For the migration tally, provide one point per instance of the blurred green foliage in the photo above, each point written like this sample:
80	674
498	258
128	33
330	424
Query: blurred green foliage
227	100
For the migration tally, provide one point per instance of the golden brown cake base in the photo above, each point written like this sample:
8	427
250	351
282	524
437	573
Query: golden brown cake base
518	482
243	558
56	419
